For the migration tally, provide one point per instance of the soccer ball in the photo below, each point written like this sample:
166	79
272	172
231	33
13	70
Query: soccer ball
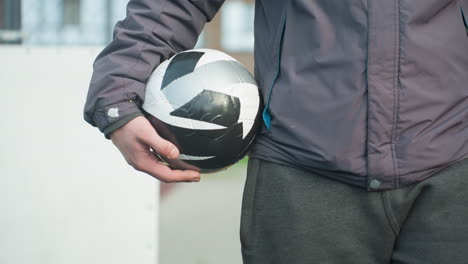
207	104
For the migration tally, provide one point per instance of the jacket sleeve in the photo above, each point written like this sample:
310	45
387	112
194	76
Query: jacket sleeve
153	31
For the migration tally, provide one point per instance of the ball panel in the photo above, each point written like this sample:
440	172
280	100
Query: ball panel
180	65
217	76
211	107
201	143
189	157
213	56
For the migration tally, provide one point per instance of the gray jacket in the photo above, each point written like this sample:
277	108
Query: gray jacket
373	93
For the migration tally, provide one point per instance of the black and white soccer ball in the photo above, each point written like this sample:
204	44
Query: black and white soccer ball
207	104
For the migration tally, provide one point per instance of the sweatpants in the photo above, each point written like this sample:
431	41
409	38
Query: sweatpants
291	216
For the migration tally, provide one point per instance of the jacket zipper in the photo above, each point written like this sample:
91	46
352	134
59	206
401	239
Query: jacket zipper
266	112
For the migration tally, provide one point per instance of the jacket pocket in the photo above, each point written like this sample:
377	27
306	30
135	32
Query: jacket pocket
270	24
277	56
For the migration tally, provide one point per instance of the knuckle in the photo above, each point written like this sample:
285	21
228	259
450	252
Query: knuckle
168	178
165	149
131	163
137	166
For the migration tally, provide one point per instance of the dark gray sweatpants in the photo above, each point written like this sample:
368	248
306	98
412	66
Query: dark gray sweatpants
290	216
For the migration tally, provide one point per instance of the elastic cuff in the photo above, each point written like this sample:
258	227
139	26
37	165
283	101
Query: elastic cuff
114	116
118	124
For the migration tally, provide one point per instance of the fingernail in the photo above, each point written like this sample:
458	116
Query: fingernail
173	154
196	179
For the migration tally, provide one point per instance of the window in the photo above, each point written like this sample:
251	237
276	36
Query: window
10	22
71	12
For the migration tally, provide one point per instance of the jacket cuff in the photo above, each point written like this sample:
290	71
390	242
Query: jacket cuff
114	126
112	117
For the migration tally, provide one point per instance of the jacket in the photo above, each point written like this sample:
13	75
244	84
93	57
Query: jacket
373	93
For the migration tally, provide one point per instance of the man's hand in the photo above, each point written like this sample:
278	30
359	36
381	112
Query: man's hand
134	141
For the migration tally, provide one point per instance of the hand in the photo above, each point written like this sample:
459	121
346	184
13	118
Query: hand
135	141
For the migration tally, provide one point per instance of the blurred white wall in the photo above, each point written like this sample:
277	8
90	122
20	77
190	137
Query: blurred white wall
66	194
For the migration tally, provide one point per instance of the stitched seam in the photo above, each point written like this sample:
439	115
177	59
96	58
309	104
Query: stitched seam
398	86
389	213
396	93
367	88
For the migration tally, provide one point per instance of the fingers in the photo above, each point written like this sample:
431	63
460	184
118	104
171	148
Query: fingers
150	165
135	141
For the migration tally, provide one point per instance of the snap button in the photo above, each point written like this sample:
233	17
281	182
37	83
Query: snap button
374	184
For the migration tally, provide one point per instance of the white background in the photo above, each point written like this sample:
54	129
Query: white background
66	194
